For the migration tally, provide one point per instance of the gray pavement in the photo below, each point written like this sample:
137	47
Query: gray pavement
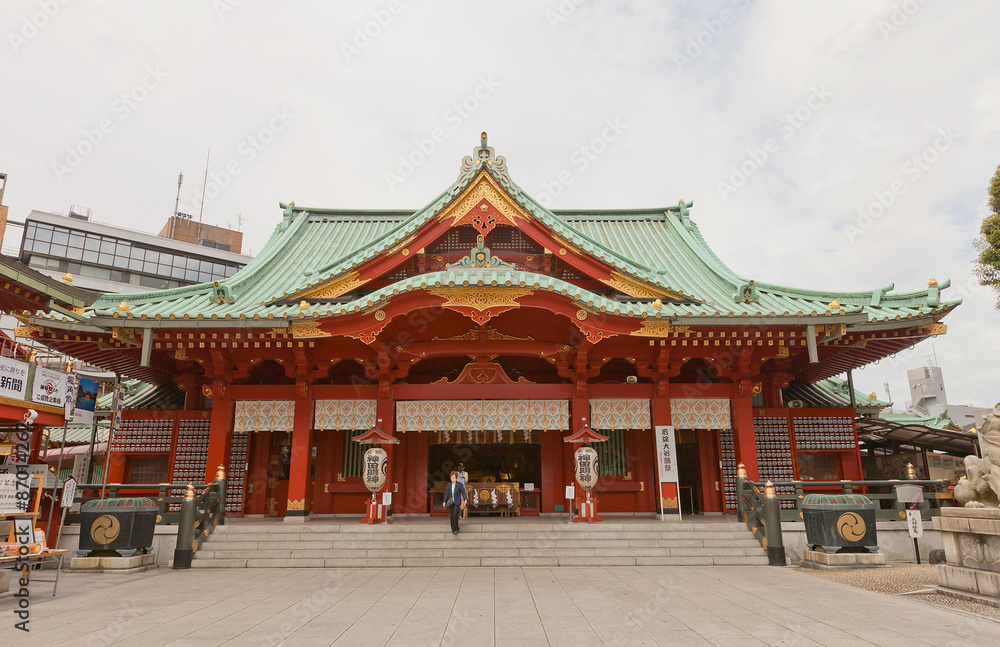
473	607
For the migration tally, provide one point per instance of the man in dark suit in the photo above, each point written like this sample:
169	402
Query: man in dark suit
455	499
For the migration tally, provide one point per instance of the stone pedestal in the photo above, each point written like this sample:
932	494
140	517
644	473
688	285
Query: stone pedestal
835	561
134	564
972	548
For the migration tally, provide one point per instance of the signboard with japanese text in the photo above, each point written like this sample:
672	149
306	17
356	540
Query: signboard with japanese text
120	392
69	493
914	524
666	464
48	387
9	503
13	379
69	395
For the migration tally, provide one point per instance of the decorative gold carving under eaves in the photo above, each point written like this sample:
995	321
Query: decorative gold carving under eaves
636	288
492	334
307	330
27	329
481	298
656	329
934	329
297	504
332	288
127	335
484	187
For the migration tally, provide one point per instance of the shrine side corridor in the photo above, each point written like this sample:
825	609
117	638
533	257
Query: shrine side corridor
531	606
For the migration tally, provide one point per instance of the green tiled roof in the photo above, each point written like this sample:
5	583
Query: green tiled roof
660	246
831	392
940	421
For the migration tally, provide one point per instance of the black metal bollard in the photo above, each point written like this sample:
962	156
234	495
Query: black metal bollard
185	531
741	479
220	486
772	527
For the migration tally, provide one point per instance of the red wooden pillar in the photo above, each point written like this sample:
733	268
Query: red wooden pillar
746	445
709	453
257	476
301	461
220	436
552	470
385	419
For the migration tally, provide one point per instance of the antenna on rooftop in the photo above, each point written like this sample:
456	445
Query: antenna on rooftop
177	202
932	358
888	396
203	187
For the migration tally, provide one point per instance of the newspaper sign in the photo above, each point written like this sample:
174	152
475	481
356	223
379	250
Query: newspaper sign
13	379
49	387
666	464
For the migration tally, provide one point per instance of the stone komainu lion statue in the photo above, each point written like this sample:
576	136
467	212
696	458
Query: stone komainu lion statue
981	487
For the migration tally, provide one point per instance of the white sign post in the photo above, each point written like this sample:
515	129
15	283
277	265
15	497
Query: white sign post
570	497
666	463
914	524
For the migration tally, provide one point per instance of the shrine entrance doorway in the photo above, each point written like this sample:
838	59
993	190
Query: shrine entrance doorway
504	476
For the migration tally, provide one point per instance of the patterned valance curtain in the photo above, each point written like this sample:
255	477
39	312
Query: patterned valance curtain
619	413
263	415
344	414
482	415
700	413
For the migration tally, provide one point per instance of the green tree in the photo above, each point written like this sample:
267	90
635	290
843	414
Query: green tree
987	264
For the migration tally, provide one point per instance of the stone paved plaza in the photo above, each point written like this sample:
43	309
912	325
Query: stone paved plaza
577	607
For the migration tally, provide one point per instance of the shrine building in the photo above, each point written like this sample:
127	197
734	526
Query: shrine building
484	329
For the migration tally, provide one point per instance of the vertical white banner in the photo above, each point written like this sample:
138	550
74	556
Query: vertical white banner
69	396
666	465
119	407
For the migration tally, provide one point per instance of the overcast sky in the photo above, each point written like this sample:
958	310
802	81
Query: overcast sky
826	145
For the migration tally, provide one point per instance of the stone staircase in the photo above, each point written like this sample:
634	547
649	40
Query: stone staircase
322	544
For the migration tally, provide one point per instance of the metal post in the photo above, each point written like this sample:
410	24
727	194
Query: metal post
62	448
220	486
185	531
775	544
741	479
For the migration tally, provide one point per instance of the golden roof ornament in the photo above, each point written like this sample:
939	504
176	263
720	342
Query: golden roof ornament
932	283
873	395
657	304
68	277
834	305
123	307
303	305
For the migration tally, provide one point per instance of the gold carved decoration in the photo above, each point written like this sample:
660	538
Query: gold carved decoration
300	504
782	351
934	329
581	314
127	335
332	288
27	329
652	328
380	315
307	330
639	289
484	187
481	298
492	334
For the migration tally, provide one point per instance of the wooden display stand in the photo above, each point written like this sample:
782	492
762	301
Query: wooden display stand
35	546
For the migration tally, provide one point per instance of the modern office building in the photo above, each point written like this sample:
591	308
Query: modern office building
113	259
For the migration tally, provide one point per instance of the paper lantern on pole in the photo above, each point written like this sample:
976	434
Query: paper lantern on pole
376	468
587	471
